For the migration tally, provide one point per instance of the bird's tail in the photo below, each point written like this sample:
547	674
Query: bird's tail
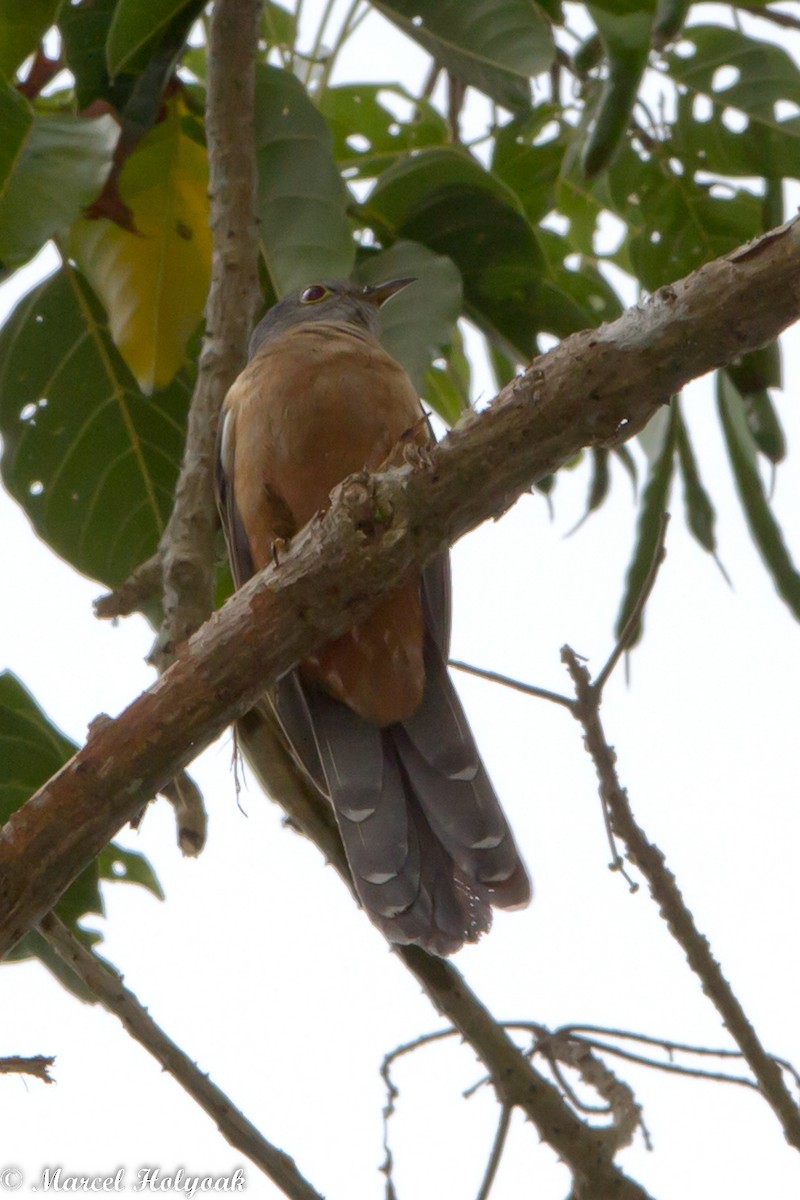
428	844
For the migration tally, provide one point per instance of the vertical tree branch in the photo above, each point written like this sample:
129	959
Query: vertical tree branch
187	546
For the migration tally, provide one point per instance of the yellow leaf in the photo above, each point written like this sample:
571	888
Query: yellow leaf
153	283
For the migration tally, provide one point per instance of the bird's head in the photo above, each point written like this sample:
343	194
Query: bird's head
330	300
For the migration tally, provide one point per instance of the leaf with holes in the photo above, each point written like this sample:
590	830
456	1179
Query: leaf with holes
492	45
682	225
419	320
727	143
302	203
31	750
760	74
451	204
368	135
154	282
91	460
59	165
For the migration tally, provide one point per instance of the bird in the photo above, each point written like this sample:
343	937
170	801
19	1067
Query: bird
372	718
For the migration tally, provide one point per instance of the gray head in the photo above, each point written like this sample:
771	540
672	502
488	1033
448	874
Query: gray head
332	300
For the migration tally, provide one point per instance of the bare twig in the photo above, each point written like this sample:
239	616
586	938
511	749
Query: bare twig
664	890
528	689
38	1066
498	1146
140	591
107	986
783	19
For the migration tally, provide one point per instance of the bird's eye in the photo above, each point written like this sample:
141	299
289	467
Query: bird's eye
315	293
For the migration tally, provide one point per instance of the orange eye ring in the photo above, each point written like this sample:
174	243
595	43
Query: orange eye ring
314	293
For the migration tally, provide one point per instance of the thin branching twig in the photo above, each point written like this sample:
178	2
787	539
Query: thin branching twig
37	1066
106	984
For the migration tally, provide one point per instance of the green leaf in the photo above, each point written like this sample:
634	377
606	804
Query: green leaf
625	29
493	45
118	865
302	203
446	200
60	168
136	27
16	121
763	72
572	297
84	28
599	484
91	461
624	455
22	26
367	135
446	386
681	225
764	529
419	320
669	20
617	190
504	368
35	945
711	145
32	749
764	425
528	156
700	514
654	504
278	25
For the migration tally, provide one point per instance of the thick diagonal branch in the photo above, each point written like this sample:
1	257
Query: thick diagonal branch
595	387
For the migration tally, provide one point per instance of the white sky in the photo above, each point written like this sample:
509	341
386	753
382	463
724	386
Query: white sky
261	968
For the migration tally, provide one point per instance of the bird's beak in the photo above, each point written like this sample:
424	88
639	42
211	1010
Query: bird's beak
379	293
